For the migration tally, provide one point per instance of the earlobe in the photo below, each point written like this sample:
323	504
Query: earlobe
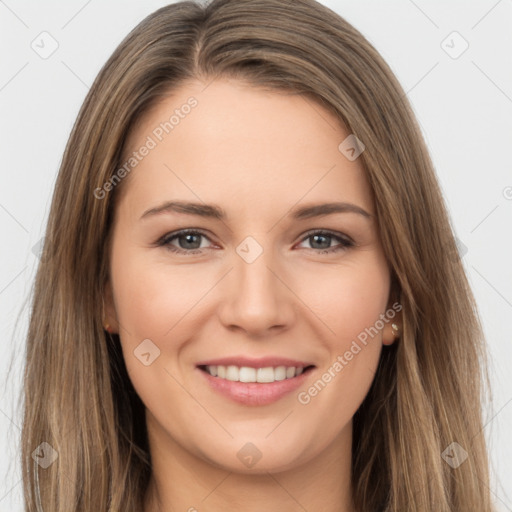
109	316
392	330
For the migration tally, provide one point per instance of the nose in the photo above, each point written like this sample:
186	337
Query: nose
257	298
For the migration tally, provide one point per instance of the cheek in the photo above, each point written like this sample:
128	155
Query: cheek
152	297
348	299
353	299
154	302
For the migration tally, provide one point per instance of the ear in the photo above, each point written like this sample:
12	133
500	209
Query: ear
389	334
109	309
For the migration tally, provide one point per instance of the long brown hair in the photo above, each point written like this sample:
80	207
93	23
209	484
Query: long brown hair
428	389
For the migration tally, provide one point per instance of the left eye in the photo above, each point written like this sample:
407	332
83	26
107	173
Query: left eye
317	237
190	241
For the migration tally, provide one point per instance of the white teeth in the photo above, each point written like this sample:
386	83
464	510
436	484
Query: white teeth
232	373
265	374
248	374
280	373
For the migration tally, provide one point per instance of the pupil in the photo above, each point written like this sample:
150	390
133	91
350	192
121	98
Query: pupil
188	237
315	237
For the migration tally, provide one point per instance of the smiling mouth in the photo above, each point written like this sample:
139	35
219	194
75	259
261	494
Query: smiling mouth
248	374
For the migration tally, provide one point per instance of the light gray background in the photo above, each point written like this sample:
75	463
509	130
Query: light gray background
464	106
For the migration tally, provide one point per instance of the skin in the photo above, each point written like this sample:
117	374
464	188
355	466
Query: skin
256	154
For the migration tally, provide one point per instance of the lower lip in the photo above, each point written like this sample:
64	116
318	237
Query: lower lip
255	393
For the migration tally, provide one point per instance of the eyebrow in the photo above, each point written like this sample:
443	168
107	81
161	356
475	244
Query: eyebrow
216	212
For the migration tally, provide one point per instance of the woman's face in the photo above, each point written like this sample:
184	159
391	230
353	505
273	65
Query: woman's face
252	281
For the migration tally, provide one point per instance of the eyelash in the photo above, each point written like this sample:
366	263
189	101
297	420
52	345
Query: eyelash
166	240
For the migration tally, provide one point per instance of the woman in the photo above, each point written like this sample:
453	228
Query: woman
251	370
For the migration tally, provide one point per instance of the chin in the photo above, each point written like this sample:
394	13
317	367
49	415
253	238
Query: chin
259	456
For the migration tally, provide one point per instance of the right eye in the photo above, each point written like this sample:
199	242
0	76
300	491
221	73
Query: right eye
191	238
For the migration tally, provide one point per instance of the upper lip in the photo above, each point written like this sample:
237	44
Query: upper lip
262	362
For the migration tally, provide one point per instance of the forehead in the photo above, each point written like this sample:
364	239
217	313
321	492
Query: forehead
241	144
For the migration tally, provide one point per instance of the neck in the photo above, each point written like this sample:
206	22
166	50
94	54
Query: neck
183	481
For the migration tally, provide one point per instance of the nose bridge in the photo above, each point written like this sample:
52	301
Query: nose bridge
258	299
255	282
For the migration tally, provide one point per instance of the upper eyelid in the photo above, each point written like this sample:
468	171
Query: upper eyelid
182	232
